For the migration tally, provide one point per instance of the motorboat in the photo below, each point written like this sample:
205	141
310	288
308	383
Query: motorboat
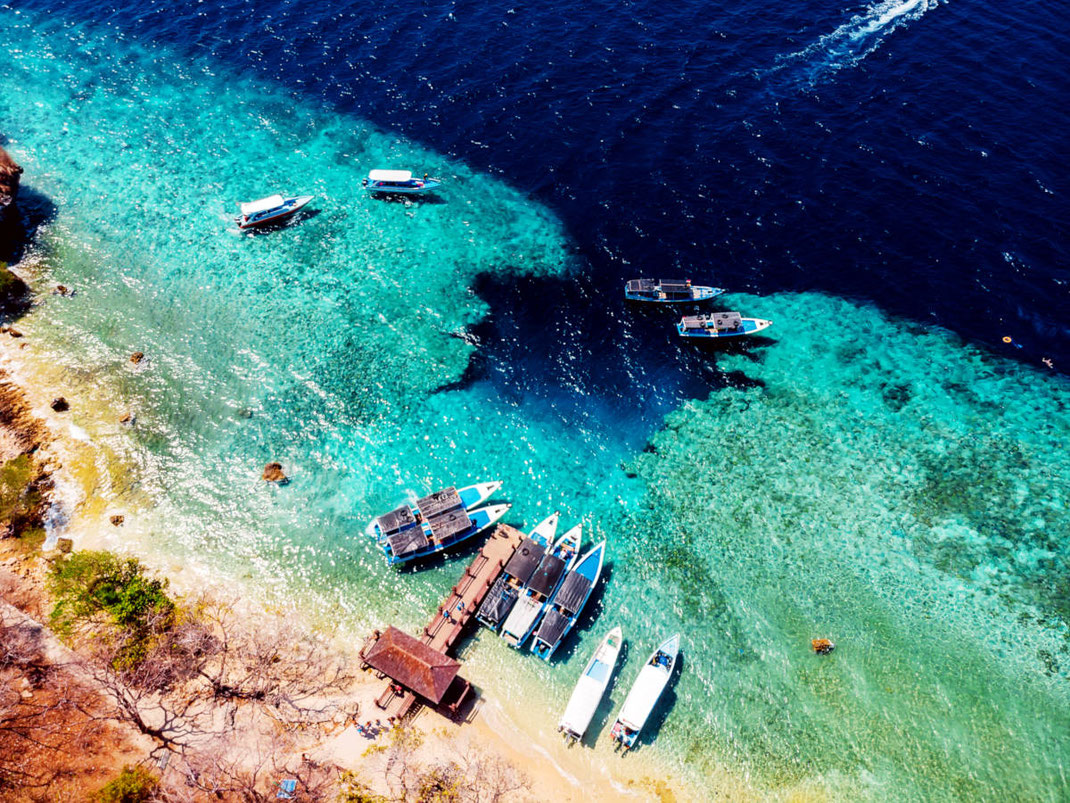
532	600
668	291
516	573
412	513
591	687
720	324
564	607
399	181
645	693
271	210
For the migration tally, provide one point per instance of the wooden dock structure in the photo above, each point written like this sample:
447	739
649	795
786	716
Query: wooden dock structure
420	665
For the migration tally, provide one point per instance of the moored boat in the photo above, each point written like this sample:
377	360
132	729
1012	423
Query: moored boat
591	687
409	515
564	607
531	601
516	573
269	211
720	324
668	291
645	693
439	532
399	181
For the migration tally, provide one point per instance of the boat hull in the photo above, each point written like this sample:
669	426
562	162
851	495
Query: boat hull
596	557
749	326
530	606
645	692
298	203
472	496
698	293
481	520
591	687
418	187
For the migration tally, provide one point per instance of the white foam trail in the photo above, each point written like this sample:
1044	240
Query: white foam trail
855	39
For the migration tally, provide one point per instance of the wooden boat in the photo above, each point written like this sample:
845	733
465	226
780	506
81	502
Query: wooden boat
720	324
439	532
645	692
591	687
516	573
668	291
564	607
410	514
270	211
399	181
531	601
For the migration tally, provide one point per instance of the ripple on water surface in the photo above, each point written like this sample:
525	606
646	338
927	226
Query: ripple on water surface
876	482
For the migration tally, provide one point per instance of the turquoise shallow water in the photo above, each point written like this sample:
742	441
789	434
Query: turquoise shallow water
851	475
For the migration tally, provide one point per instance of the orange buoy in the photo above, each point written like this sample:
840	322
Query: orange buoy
822	646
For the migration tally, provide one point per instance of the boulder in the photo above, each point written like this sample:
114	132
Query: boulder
10	174
117	520
60	405
273	473
822	646
64	545
137	357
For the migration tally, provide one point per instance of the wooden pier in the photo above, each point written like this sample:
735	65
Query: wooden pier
416	672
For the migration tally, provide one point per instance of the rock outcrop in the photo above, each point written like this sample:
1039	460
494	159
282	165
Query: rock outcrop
273	473
10	173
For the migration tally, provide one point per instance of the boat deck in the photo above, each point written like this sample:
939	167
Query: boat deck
456	611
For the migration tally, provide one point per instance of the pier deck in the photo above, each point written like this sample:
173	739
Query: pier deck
453	616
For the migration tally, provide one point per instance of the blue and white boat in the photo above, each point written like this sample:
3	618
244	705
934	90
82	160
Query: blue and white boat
438	533
399	181
565	605
645	693
531	601
410	514
269	211
720	324
668	291
591	687
516	573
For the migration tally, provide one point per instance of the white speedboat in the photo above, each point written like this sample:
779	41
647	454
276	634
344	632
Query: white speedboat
720	324
591	687
399	181
645	692
271	210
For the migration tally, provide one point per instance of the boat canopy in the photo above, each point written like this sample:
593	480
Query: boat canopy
726	321
263	205
524	561
390	175
573	592
396	520
552	627
498	602
439	502
407	541
449	524
547	575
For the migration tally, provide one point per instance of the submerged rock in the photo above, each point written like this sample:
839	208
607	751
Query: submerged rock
822	646
137	357
273	473
117	520
60	405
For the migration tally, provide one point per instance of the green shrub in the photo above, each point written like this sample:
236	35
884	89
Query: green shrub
22	499
133	785
91	586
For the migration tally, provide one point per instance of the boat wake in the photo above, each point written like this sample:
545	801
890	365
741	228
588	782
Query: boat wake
852	41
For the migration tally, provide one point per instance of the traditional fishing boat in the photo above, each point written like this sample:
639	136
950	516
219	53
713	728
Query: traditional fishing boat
531	601
409	515
564	607
438	533
399	181
591	687
645	692
516	573
271	210
668	291
720	324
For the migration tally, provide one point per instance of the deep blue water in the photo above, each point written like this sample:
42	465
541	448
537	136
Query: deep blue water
912	153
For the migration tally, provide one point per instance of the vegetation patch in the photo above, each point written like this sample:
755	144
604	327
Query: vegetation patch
133	785
23	500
